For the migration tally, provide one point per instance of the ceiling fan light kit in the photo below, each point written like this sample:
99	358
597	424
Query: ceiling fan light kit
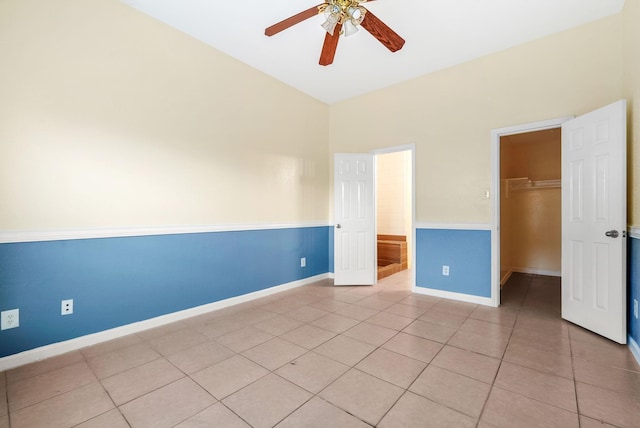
349	13
342	17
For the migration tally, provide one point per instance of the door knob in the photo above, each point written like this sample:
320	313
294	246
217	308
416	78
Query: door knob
612	233
338	226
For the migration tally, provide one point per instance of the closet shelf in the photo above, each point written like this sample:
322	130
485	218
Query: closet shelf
523	183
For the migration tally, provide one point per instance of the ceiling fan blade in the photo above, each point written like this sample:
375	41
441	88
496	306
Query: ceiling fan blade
330	45
382	32
292	20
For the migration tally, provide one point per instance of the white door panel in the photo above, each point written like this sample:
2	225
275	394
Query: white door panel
594	205
354	215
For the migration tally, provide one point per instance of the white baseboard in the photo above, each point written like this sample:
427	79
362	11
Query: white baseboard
54	349
486	301
635	348
506	277
535	271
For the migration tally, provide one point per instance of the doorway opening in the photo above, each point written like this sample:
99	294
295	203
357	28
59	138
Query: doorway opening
531	215
526	233
394	210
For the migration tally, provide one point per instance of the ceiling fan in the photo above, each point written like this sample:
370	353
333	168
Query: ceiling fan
342	17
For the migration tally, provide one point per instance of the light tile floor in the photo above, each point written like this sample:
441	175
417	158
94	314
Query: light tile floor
324	356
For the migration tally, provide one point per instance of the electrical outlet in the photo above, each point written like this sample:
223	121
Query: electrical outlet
66	307
635	308
10	319
303	262
445	270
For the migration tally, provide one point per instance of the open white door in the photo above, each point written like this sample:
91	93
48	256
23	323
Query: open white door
594	220
354	214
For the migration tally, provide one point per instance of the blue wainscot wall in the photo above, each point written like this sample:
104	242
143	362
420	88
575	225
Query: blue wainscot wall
634	293
466	252
119	281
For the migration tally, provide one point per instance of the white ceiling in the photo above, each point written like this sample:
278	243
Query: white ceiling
438	34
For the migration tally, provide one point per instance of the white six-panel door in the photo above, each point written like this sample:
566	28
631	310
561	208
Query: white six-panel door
354	216
594	219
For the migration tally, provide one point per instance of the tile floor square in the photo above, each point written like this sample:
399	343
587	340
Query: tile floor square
467	363
506	409
345	350
307	314
217	415
359	313
105	365
392	367
430	331
492	346
317	413
167	406
268	401
335	323
413	347
53	363
308	336
274	353
228	376
177	341
200	356
611	378
608	406
537	359
312	371
545	387
243	339
370	333
407	311
453	390
64	410
38	388
278	325
111	419
130	384
391	321
364	396
412	411
442	318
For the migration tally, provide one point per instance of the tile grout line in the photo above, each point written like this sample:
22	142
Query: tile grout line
573	372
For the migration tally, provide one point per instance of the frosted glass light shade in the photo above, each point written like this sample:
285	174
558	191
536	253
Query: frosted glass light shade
349	28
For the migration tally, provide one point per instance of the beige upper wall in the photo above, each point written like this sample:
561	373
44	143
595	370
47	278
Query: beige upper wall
449	114
631	13
109	118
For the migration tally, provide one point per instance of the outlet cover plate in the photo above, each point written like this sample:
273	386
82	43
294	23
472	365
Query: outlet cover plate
10	319
66	307
303	262
635	308
445	270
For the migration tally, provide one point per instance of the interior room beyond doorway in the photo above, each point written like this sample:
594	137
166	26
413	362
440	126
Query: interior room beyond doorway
394	211
530	204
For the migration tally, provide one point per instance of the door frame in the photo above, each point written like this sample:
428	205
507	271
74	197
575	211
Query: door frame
496	134
403	148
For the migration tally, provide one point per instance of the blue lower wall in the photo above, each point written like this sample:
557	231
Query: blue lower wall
634	286
118	281
466	252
